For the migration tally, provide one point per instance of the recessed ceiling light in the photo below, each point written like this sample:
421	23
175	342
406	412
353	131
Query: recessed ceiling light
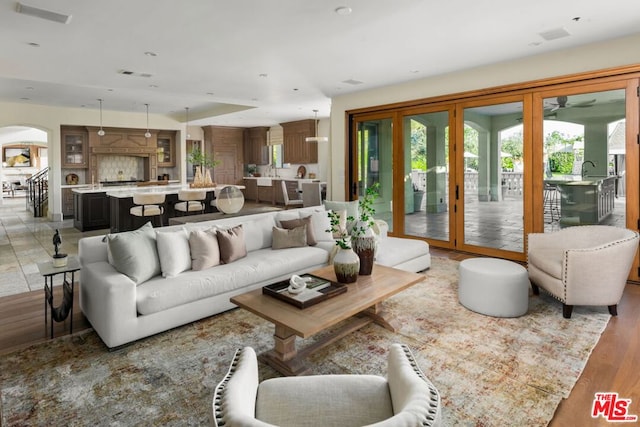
262	75
414	71
153	86
34	44
352	82
149	53
210	93
26	99
343	10
29	87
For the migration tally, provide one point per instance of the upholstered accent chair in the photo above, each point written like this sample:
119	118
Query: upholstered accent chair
190	201
405	398
288	188
582	265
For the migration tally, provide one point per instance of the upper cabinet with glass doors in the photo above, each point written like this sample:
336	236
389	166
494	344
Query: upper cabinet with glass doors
74	147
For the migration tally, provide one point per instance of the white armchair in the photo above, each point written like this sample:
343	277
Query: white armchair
583	265
405	398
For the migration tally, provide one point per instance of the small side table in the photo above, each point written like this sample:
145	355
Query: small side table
60	313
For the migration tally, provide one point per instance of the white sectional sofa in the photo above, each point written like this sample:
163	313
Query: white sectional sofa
121	310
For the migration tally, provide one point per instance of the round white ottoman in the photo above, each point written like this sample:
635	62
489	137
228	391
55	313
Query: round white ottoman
494	287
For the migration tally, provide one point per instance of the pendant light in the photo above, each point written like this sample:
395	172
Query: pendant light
316	138
147	134
187	123
101	131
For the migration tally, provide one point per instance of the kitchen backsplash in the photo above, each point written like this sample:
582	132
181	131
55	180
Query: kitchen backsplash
110	166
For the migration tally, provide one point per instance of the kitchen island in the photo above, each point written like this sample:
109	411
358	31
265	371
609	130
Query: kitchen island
100	207
589	200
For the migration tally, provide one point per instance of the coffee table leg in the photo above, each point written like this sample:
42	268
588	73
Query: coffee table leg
380	317
284	356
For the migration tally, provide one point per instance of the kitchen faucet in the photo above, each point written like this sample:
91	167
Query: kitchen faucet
583	165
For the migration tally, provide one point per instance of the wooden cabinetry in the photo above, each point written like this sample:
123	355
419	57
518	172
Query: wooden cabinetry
250	189
74	146
296	149
256	150
91	211
67	203
166	151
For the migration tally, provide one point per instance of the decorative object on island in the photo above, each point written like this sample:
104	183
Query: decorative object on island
59	259
363	239
203	164
230	200
346	264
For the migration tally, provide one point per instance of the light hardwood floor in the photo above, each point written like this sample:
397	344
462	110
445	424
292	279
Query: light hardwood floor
612	367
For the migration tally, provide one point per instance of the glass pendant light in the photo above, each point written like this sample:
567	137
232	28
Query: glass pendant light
101	131
316	138
147	134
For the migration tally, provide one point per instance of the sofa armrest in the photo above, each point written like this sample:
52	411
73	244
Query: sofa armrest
415	399
234	398
92	249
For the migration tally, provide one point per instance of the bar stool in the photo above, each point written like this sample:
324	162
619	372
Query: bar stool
190	201
148	205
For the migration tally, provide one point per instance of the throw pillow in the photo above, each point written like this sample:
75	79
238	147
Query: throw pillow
299	222
321	225
342	226
205	252
258	232
232	245
173	251
289	238
134	253
351	207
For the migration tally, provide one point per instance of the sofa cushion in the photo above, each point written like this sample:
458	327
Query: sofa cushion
289	238
394	250
257	232
321	226
173	251
231	243
351	207
134	253
260	267
291	224
205	252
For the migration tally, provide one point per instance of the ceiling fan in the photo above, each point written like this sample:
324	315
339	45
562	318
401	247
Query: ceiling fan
563	102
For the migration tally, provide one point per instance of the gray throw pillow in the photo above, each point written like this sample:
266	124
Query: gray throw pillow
205	252
134	253
290	224
231	243
294	238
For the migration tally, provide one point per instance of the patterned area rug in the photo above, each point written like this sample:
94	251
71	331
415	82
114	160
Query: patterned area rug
489	371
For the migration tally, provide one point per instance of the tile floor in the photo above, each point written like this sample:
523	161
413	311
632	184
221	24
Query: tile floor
25	241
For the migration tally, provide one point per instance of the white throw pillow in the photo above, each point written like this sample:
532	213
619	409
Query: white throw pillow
321	224
174	252
257	233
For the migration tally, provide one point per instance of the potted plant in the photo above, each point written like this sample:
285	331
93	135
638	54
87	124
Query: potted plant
346	263
203	177
363	239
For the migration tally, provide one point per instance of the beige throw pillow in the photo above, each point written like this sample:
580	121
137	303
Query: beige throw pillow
294	238
290	224
205	252
232	245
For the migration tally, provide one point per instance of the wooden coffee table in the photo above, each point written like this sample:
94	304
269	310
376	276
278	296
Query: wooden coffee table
361	303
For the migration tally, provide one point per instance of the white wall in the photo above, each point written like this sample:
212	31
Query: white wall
612	53
49	120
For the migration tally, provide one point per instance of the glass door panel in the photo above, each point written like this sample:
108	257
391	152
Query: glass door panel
426	168
584	154
493	177
374	164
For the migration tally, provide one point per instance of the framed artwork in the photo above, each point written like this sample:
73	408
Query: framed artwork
17	157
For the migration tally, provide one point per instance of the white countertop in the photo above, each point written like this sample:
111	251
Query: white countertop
128	191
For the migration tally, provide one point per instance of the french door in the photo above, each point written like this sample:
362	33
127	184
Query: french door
479	174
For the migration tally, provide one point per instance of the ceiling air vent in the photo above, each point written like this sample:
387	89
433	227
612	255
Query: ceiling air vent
556	33
134	73
42	13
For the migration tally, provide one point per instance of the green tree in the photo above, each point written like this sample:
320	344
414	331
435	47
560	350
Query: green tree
418	145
